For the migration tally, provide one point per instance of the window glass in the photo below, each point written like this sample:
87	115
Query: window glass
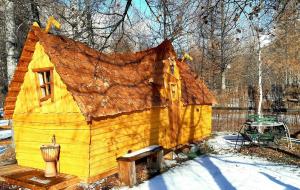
43	91
41	78
49	88
48	76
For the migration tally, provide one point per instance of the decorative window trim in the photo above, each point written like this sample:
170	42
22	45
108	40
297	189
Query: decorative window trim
39	86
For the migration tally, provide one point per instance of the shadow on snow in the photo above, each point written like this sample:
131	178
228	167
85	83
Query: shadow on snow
216	173
286	186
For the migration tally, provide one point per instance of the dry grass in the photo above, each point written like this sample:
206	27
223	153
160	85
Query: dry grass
280	155
8	156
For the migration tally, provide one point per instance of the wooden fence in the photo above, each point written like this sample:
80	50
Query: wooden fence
232	118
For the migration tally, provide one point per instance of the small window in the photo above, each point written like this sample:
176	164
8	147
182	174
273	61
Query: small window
173	91
44	83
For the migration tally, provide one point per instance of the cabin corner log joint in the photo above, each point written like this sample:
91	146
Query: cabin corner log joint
97	112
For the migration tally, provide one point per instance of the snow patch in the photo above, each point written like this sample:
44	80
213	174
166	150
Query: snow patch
2	149
4	122
5	134
223	143
147	149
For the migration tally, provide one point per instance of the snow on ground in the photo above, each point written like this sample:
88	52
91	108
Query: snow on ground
4	122
4	134
226	170
2	149
223	143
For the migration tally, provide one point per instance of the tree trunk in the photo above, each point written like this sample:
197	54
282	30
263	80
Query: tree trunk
223	64
260	93
35	15
74	18
223	79
165	19
89	22
10	47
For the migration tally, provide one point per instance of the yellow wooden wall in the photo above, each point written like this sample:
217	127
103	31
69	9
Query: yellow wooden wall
111	138
195	123
34	125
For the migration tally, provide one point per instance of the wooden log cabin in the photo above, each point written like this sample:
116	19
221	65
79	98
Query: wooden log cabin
99	106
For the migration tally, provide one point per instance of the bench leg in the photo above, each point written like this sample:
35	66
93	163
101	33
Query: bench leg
159	159
127	173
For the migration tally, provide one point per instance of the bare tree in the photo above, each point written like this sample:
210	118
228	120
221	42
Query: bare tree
11	59
35	14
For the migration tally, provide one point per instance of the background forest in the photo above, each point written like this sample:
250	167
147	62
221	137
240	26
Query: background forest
231	42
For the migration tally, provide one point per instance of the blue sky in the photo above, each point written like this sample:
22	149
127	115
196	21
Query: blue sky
141	4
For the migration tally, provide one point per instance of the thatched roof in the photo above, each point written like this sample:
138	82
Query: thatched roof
110	84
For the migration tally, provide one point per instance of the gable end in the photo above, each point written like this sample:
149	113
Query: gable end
18	78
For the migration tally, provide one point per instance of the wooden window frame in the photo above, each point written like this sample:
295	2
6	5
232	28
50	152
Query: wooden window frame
174	96
39	86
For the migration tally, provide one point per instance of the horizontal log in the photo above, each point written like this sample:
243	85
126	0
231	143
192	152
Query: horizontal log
125	129
99	147
102	175
104	165
97	155
29	47
126	137
18	79
9	107
22	69
19	76
52	118
134	123
5	142
23	63
127	133
8	112
94	171
26	59
116	151
162	114
5	127
11	99
9	103
76	156
64	166
77	149
15	84
67	159
26	54
14	89
31	36
8	116
62	136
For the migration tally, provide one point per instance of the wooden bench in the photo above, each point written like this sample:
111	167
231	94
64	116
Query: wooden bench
127	171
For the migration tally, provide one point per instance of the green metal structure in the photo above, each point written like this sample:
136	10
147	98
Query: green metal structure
264	130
